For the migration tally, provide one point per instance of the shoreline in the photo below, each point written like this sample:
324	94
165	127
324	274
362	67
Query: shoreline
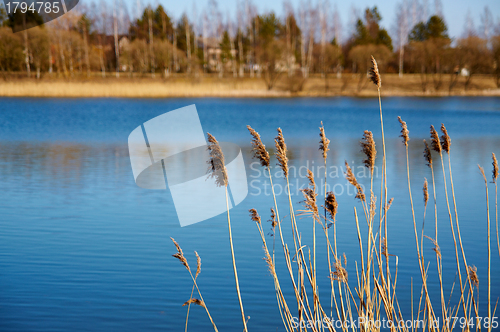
182	87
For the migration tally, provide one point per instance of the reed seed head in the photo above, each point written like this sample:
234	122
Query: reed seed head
198	264
352	180
281	151
427	154
375	74
385	250
195	301
324	143
388	205
177	246
180	255
373	205
435	142
472	271
269	261
273	220
310	177
254	215
426	192
482	173
495	167
331	204
259	149
436	248
340	273
216	163
310	196
368	147
404	131
445	139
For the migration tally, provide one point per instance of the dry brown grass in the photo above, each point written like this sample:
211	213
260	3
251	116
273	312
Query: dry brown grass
371	294
208	86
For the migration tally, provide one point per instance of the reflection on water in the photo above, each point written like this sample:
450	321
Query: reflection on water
82	247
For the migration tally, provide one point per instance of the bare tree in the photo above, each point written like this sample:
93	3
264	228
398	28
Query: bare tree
195	39
302	23
138	8
103	18
402	29
231	33
26	49
256	42
438	8
324	28
312	28
174	46
475	55
39	47
495	43
249	9
188	42
115	34
337	33
205	46
486	24
240	15
414	11
425	11
83	22
217	30
469	26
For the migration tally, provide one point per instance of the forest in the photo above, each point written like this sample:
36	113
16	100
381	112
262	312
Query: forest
99	39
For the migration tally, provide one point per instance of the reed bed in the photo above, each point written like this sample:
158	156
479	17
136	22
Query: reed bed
141	86
370	297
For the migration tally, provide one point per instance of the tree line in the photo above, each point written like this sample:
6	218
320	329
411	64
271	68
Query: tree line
99	39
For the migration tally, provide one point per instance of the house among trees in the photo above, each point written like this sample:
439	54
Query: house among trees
304	41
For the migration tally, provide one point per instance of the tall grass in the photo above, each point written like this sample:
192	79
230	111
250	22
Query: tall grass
372	295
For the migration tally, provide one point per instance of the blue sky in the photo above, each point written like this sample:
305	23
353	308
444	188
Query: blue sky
455	11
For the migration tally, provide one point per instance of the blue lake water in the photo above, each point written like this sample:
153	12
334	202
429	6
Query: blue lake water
83	248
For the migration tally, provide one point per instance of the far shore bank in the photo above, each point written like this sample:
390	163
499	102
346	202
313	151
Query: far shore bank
351	85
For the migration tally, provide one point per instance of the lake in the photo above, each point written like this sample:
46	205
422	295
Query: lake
83	248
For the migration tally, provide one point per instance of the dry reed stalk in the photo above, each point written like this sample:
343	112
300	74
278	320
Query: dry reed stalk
368	146
261	154
438	147
377	80
446	145
495	178
274	222
281	151
258	148
405	134
180	256
281	155
218	169
283	162
349	175
324	144
369	149
198	270
429	162
489	246
386	296
425	190
331	207
282	304
312	208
